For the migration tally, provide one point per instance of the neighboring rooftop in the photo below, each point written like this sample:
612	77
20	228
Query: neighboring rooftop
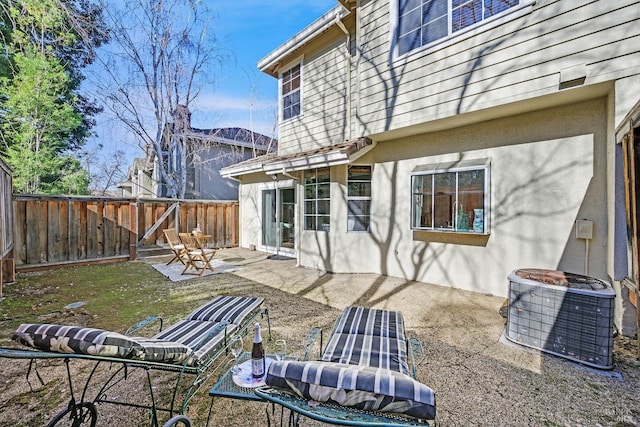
233	136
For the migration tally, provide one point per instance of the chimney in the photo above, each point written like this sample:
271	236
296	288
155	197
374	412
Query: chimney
181	118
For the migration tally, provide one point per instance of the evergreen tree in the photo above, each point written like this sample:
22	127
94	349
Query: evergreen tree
43	118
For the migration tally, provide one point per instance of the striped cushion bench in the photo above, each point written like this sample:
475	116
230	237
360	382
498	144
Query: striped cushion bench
364	366
156	350
192	340
202	336
369	337
368	350
370	321
226	309
365	388
75	340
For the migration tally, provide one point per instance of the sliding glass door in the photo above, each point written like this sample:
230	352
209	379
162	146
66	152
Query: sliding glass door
278	220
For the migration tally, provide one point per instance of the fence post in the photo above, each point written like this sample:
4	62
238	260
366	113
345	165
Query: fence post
133	229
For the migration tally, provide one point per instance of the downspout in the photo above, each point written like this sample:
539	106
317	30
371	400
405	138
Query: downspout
349	65
358	58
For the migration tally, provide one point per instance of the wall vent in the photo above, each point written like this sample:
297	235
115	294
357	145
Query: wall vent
564	314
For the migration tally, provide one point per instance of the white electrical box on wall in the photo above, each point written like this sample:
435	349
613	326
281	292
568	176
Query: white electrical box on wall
584	229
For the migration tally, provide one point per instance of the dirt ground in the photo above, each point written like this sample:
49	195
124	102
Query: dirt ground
479	379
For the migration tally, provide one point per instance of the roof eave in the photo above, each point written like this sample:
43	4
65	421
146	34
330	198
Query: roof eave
336	158
235	170
345	155
270	64
310	162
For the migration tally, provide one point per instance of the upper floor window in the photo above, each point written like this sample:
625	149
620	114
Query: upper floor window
290	89
359	198
421	22
451	197
317	199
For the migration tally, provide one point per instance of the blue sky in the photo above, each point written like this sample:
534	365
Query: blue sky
249	30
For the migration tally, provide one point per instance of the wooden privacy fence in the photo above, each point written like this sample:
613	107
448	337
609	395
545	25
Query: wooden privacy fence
61	230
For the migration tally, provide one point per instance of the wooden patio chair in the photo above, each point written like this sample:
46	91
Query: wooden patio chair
179	250
197	253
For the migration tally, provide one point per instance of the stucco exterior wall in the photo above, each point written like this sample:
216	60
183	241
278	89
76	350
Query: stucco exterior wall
548	168
250	209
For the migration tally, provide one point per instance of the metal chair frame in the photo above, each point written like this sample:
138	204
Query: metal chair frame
82	410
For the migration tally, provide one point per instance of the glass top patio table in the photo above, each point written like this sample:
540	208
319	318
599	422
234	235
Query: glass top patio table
226	387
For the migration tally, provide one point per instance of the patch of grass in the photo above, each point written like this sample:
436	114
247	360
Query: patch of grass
115	297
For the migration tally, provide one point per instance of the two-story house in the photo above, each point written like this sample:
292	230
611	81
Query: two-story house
450	141
196	156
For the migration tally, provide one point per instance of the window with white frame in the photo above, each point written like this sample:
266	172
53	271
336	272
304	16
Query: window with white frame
291	92
317	199
422	22
359	198
451	197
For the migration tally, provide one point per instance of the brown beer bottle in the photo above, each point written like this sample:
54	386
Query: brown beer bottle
257	353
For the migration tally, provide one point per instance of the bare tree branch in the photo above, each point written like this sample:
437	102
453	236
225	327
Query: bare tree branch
161	54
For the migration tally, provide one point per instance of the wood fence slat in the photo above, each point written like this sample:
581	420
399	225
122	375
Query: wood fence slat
210	221
124	228
109	221
140	223
20	249
63	234
235	225
220	229
159	235
7	226
171	219
149	216
133	230
82	233
74	231
201	217
184	218
192	217
43	232
117	244
92	230
100	229
52	231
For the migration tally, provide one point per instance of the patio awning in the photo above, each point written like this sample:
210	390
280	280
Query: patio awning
272	163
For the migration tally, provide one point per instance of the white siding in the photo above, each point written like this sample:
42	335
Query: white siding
325	92
517	60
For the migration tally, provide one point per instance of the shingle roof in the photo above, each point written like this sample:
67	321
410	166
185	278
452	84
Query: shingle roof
340	153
